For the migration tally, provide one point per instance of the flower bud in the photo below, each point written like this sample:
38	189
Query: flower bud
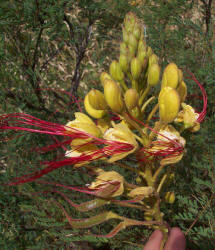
115	71
170	76
131	52
136	68
97	99
169	104
141	55
180	76
137	30
142	46
153	59
169	197
153	75
95	113
149	51
123	49
125	35
104	76
182	91
145	63
132	42
131	98
135	112
143	191
113	96
123	62
104	179
148	215
129	21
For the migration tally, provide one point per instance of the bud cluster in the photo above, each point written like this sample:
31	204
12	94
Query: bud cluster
131	78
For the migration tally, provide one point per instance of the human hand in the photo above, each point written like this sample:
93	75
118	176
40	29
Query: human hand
176	240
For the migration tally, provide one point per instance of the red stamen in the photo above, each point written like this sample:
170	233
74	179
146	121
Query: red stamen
19	121
202	114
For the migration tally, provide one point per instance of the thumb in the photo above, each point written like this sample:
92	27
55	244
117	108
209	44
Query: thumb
154	241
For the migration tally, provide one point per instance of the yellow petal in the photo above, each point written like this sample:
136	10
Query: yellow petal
145	191
188	117
121	133
84	123
171	160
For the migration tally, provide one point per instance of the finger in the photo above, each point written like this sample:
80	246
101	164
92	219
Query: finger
176	240
154	241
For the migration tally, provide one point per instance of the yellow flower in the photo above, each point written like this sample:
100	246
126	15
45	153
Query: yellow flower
121	133
169	132
108	181
83	146
84	123
188	117
169	144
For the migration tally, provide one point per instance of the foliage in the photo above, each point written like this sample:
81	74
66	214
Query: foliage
173	33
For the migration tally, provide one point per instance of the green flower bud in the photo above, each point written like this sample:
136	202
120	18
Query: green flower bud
169	197
153	59
169	104
113	97
129	22
148	215
141	55
137	30
145	63
123	49
116	72
131	52
153	75
131	98
142	46
170	76
149	51
123	62
125	35
132	42
97	99
136	68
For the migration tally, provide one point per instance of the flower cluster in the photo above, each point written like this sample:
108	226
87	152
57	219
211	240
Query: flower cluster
130	94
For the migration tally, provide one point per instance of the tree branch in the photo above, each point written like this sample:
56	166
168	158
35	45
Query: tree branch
79	57
35	56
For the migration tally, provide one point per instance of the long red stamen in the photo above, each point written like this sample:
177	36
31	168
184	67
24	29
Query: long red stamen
25	122
202	114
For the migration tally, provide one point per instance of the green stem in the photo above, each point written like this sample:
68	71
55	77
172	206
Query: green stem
146	91
152	112
158	172
146	104
158	216
134	84
161	183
